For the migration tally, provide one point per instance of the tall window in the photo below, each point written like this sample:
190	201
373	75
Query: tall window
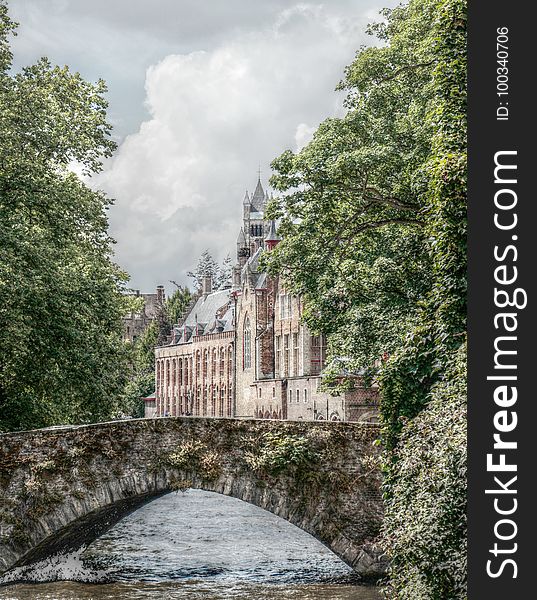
213	399
222	396
247	344
229	363
229	400
222	363
278	356
318	353
286	307
295	355
213	369
286	353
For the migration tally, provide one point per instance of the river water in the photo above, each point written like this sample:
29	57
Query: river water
195	545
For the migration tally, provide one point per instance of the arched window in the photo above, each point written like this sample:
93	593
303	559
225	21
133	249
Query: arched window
205	363
247	344
222	363
298	395
213	369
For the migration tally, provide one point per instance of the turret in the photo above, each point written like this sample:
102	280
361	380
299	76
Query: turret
243	251
272	239
246	206
258	197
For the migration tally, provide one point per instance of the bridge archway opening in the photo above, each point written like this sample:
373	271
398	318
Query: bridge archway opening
205	534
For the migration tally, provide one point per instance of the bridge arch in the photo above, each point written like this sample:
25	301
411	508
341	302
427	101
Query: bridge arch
320	477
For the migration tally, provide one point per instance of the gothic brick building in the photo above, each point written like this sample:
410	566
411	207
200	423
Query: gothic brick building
243	351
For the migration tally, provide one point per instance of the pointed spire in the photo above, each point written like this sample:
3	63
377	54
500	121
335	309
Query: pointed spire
258	197
246	198
272	238
241	238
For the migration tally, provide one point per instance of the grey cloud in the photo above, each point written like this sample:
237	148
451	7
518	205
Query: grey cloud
201	92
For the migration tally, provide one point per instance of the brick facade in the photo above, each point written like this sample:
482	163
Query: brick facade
243	351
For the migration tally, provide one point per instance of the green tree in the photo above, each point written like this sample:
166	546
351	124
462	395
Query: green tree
425	522
352	202
424	385
373	217
207	265
141	382
61	357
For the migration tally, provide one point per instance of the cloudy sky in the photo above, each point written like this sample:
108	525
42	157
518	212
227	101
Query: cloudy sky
201	92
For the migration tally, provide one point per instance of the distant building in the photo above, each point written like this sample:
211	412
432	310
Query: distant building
135	323
242	350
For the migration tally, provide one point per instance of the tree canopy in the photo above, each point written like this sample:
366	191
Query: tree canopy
61	357
373	220
207	266
141	380
352	202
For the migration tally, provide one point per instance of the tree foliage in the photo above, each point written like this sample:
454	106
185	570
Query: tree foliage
141	381
373	218
425	523
61	357
207	266
352	202
425	381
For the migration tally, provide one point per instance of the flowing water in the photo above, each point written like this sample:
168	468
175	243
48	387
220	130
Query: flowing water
194	545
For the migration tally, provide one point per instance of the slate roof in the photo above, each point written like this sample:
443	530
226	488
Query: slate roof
203	320
258	278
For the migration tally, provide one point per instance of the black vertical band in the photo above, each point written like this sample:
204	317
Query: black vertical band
502	272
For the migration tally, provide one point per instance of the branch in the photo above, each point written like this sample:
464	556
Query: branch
405	68
376	224
391	201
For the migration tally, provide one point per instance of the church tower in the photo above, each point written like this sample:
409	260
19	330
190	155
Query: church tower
254	226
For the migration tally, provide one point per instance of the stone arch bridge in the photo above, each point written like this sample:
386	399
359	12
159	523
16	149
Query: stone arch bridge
60	488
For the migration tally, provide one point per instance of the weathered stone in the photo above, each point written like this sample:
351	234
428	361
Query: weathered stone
328	493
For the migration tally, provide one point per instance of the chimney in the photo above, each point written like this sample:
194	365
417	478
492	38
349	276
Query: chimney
161	296
206	285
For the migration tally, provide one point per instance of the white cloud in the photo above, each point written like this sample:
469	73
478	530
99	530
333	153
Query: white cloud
214	115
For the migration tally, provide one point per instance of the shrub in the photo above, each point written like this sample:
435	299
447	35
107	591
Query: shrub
425	524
